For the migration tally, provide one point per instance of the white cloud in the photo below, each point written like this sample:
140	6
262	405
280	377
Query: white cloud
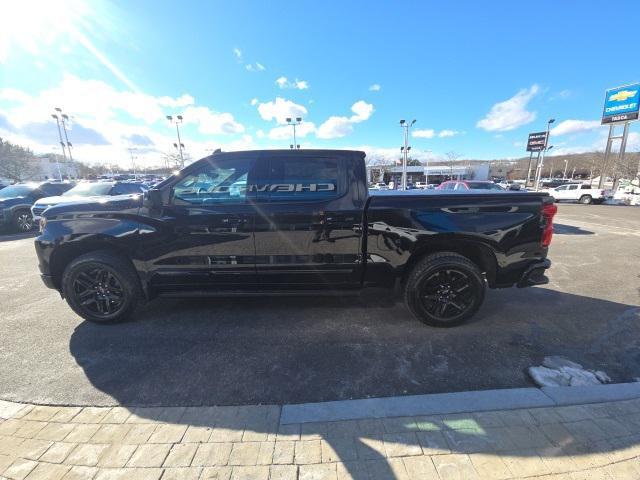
211	123
431	133
448	133
510	114
254	101
283	82
424	133
336	127
561	95
280	109
105	121
238	53
575	126
255	67
286	131
375	88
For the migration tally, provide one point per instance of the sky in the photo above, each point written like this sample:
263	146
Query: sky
476	76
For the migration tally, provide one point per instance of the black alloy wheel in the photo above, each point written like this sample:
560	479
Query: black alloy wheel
446	293
445	289
98	290
101	286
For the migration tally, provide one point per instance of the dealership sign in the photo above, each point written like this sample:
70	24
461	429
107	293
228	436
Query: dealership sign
537	142
621	104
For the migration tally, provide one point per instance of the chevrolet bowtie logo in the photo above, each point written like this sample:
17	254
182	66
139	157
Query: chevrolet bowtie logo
622	95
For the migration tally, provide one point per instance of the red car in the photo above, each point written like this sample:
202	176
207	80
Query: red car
469	185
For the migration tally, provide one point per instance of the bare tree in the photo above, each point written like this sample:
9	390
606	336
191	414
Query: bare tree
17	163
452	158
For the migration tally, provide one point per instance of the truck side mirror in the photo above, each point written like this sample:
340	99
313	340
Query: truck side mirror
153	199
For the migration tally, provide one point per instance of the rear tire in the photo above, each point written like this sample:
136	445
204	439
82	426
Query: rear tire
444	289
101	287
23	221
586	199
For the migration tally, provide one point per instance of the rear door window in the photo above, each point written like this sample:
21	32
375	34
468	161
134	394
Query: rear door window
303	179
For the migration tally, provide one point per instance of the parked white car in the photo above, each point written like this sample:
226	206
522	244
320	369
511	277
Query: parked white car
577	192
378	186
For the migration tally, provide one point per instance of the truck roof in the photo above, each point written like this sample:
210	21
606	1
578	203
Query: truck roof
290	152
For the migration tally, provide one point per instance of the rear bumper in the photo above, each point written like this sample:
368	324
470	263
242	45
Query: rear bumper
48	281
535	274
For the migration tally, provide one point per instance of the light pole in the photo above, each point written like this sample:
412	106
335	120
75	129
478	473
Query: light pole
179	145
297	122
64	154
133	163
564	175
541	166
405	126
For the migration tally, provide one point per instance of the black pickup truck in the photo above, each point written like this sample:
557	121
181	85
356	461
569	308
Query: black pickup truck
287	222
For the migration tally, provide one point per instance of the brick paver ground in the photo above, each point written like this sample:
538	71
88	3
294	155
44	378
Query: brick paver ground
597	441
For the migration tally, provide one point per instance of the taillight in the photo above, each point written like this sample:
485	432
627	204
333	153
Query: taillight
548	212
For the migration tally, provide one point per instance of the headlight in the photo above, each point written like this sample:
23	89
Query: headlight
42	224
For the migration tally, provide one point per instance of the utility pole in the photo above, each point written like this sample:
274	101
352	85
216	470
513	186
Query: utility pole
405	149
297	122
179	145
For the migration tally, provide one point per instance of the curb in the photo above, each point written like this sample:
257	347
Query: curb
436	404
457	402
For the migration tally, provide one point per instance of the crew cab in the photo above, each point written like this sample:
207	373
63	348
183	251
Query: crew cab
291	222
579	192
16	201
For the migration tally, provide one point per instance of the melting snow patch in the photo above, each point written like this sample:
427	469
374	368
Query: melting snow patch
561	372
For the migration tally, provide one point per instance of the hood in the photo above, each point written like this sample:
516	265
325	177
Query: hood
10	202
88	205
50	201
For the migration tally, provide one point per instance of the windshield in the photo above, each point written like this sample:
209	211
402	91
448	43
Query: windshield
16	191
484	186
88	190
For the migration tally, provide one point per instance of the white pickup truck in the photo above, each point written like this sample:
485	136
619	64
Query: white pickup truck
577	192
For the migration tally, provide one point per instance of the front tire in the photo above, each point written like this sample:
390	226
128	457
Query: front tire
101	287
586	199
445	289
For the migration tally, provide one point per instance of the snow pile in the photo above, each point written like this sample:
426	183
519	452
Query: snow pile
560	372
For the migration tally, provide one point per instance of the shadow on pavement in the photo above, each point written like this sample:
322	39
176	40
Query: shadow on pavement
261	351
560	229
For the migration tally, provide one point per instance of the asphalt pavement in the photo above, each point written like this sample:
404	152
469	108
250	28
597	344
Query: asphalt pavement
293	350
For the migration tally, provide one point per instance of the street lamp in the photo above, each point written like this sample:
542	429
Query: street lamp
64	153
133	163
297	122
405	126
179	145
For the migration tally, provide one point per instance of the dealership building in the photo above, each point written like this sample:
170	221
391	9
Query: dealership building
427	174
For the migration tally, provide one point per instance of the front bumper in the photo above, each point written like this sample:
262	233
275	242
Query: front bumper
535	274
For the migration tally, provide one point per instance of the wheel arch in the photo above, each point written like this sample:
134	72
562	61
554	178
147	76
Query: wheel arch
478	253
65	253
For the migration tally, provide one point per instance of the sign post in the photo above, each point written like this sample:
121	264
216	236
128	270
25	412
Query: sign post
536	142
621	106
